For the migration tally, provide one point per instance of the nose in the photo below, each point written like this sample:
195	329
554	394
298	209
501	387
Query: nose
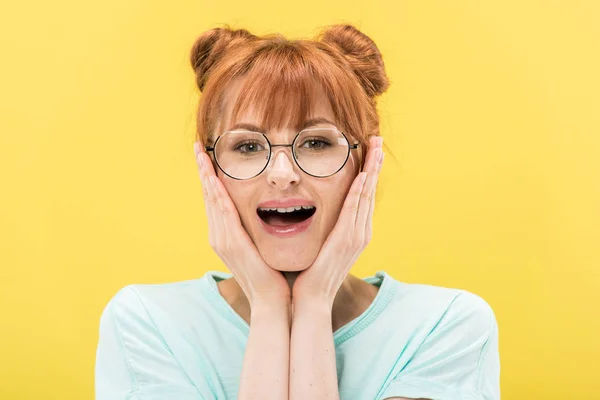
282	172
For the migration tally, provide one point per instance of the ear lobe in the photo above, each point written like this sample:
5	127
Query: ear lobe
361	53
210	47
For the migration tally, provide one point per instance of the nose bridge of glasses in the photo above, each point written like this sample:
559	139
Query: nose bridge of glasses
277	149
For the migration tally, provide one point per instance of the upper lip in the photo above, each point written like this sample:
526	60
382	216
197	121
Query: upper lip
284	203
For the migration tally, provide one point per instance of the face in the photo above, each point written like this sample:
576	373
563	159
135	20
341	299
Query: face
288	242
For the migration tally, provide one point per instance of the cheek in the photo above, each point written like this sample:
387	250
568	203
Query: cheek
353	164
348	174
336	191
240	193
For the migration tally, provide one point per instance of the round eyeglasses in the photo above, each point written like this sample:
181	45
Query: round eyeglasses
319	152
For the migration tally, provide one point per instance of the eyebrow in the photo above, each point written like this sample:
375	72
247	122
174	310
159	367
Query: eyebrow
306	124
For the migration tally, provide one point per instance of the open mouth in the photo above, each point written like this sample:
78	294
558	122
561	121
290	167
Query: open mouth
285	216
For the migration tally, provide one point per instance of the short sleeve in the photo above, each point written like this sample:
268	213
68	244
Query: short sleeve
458	360
132	360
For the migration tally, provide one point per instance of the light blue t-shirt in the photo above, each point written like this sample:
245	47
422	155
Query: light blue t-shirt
183	341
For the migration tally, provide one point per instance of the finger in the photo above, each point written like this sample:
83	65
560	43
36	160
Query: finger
198	148
201	172
200	162
347	216
228	212
377	173
367	196
215	224
206	171
372	145
209	193
369	220
347	219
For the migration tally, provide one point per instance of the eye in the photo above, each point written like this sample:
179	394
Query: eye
249	146
315	143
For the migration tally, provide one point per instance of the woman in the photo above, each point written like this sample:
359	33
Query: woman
289	154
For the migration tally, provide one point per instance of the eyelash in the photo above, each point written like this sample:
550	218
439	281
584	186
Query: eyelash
245	143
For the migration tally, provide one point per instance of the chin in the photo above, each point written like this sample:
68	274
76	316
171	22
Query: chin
287	242
293	259
287	266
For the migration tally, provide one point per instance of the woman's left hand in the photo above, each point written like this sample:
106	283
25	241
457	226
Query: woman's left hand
349	237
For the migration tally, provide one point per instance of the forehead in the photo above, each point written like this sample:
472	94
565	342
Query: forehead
282	109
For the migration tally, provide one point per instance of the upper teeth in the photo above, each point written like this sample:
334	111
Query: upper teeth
287	210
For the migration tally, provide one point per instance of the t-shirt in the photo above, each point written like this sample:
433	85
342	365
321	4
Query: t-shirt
183	341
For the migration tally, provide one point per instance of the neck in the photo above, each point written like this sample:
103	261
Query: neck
290	277
353	297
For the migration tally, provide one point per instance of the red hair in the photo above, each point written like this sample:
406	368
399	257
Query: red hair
282	76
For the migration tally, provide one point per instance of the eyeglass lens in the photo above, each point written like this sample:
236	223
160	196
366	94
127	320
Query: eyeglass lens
318	151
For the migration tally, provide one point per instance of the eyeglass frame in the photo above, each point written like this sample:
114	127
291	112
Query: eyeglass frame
350	147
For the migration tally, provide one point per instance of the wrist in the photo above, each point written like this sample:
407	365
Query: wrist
268	306
322	302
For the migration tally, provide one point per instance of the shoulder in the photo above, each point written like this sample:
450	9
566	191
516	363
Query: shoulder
149	314
445	306
458	306
136	302
449	350
440	318
140	346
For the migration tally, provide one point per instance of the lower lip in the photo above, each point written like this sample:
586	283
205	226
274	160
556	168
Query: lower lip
286	231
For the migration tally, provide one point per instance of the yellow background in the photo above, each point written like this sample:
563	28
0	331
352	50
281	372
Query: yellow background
493	117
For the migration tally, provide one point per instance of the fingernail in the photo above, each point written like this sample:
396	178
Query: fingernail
200	160
380	141
196	147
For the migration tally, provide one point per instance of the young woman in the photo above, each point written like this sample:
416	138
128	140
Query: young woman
289	153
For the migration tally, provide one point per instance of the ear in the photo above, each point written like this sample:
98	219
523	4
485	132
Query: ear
210	47
362	54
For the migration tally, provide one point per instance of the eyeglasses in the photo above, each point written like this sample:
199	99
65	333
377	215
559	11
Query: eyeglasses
319	152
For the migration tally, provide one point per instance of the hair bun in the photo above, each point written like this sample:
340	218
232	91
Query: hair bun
362	53
210	47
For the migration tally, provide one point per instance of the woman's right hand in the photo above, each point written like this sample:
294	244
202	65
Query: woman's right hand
229	239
